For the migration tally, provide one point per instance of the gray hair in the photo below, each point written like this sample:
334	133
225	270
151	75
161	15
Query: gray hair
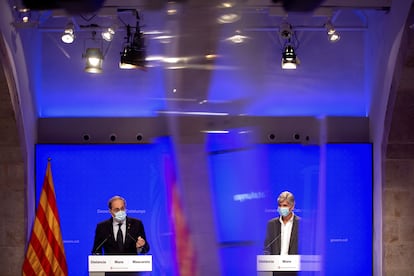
115	198
288	196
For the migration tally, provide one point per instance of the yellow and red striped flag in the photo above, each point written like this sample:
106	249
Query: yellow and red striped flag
185	255
185	252
45	253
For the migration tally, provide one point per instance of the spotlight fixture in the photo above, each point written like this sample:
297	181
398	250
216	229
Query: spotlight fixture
227	4
237	38
133	55
94	60
24	15
333	35
68	35
227	18
173	8
289	60
228	14
108	33
94	57
285	30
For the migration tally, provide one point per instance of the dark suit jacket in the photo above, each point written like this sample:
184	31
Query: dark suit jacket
104	236
272	240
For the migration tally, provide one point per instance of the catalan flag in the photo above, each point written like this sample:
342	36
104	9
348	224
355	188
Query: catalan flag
45	253
186	264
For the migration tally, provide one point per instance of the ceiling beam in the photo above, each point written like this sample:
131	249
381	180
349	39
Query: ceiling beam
367	4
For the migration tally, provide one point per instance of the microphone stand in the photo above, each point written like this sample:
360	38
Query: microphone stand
95	252
266	249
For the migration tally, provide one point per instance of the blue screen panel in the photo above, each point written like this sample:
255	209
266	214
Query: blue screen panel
86	176
247	180
349	209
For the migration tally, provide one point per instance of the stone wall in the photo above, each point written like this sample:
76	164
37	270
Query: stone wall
12	192
398	189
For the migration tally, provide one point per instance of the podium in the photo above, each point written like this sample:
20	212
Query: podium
288	263
98	265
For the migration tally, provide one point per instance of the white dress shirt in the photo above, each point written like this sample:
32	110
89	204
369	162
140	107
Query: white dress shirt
115	227
285	233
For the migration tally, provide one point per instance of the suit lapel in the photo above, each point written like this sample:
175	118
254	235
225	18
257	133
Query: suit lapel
111	229
294	236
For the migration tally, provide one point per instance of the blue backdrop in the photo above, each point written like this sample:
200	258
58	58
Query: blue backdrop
245	181
333	192
85	177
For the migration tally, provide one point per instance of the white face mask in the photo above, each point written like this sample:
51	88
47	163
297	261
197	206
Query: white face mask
120	216
283	211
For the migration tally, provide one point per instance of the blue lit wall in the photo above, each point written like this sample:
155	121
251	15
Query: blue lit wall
85	177
247	180
349	209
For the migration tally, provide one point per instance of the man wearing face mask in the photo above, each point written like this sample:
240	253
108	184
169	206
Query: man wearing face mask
120	235
282	231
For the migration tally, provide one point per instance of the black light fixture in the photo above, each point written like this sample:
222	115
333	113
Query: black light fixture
94	58
289	60
108	33
133	55
333	35
285	30
24	15
68	35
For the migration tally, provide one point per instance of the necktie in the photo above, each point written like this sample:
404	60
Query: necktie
119	238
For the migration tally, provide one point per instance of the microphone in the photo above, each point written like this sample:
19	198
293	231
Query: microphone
139	249
129	235
266	249
95	252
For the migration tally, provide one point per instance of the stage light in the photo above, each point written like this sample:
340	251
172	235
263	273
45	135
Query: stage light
133	55
228	14
333	35
25	18
25	15
289	60
227	18
68	35
132	58
94	60
237	38
285	30
93	54
108	33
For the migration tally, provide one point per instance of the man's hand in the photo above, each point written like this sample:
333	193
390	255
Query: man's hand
140	242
